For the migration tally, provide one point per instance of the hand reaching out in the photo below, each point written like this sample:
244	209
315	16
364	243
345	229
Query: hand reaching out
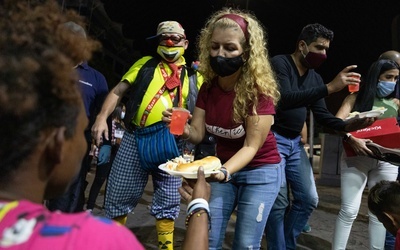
193	189
197	221
356	124
359	146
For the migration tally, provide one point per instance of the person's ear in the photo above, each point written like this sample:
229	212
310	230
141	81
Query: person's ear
390	217
55	145
394	225
53	150
394	218
186	44
301	46
245	55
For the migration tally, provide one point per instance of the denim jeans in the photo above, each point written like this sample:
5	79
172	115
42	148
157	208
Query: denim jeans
285	222
253	190
390	241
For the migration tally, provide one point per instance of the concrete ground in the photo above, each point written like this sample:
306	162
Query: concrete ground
322	222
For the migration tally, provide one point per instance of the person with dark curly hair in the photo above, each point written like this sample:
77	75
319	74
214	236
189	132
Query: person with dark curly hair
42	144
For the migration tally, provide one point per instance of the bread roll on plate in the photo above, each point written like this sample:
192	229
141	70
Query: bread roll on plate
209	163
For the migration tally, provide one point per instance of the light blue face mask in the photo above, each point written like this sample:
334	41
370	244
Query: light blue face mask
385	88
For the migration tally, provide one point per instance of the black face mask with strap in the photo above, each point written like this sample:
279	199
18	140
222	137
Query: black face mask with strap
224	66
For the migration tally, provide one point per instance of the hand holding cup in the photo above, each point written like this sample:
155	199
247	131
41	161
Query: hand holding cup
354	86
179	118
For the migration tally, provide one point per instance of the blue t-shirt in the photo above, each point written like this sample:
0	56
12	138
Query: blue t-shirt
94	89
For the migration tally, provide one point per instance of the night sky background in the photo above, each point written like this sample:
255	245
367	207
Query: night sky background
363	28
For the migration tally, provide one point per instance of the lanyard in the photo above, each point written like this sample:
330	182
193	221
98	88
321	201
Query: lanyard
159	93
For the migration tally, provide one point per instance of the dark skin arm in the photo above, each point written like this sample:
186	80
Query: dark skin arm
197	232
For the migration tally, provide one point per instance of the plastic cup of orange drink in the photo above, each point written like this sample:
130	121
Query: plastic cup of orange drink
354	87
178	120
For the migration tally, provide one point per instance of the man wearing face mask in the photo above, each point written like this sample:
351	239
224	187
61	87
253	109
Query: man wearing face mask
140	151
301	87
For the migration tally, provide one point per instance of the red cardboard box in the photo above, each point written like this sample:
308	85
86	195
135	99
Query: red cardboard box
385	132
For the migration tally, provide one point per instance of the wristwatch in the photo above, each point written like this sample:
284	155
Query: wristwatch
346	137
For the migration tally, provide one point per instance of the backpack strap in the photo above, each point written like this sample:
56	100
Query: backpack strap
136	91
178	94
193	90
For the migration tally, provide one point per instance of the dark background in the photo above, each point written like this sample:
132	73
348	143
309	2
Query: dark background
363	29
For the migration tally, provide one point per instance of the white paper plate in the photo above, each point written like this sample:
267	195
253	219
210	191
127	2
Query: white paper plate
187	175
371	113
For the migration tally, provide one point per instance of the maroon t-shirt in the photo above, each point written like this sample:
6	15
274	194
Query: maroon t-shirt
218	105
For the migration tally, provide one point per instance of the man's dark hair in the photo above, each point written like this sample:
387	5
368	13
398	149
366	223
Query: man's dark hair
384	197
311	32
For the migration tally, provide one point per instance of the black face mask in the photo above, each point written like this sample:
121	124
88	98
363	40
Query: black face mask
223	66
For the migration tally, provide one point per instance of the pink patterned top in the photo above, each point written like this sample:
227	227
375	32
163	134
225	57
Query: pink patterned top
27	225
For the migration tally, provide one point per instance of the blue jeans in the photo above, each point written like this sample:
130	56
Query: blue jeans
285	222
253	190
389	241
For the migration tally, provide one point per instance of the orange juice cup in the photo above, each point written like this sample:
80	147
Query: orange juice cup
178	120
354	87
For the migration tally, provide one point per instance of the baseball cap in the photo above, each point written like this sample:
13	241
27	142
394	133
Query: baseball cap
169	27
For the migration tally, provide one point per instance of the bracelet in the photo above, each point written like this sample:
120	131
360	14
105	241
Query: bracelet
226	173
197	203
199	213
198	206
190	132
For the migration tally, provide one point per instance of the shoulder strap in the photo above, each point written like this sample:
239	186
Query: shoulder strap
193	90
138	88
178	94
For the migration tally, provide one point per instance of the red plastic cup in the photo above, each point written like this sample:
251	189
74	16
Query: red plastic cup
178	120
354	87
